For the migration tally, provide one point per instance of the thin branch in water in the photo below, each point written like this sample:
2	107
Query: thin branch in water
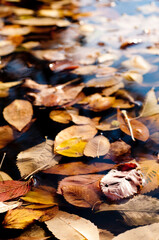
128	123
2	160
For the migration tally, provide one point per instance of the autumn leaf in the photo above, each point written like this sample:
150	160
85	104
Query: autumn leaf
104	81
78	168
5	86
122	182
12	189
37	157
6	206
97	103
81	190
150	106
150	171
61	116
132	127
139	210
97	146
84	132
150	231
7	135
4	176
66	226
72	147
18	113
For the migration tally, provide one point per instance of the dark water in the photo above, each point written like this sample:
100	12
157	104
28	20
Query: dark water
23	65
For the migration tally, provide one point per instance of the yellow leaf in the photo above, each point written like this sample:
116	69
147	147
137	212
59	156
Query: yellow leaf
4	176
61	116
150	171
39	196
21	218
72	147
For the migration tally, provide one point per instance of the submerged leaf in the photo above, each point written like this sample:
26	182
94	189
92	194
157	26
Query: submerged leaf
66	226
19	113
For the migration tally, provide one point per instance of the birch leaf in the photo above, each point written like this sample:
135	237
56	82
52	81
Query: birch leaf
97	146
150	171
150	231
39	156
72	147
151	107
19	113
67	226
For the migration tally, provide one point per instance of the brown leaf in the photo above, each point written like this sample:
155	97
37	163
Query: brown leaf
7	135
61	116
12	189
18	113
84	132
97	146
131	126
103	82
121	183
81	191
122	103
78	168
97	103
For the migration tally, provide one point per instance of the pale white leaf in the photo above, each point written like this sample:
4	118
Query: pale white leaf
5	206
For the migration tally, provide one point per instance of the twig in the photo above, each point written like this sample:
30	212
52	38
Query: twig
128	123
2	160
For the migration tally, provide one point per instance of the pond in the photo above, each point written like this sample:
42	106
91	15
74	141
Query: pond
79	107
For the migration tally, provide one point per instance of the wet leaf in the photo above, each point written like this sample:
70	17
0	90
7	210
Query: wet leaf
4	176
72	147
97	146
6	206
61	116
5	86
151	106
104	82
97	103
133	127
121	183
81	190
20	218
77	168
84	132
150	231
12	189
150	171
72	225
19	113
37	157
133	76
42	22
7	135
122	103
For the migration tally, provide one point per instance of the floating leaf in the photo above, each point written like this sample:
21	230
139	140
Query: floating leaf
4	176
7	135
103	82
6	206
39	156
18	113
61	116
121	183
81	190
97	103
66	226
133	127
150	171
150	107
72	147
97	146
84	132
11	189
133	76
5	86
150	231
42	22
77	168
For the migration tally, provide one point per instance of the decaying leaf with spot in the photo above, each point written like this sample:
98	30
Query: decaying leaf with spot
97	146
39	157
81	190
19	113
65	226
132	127
78	168
123	182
